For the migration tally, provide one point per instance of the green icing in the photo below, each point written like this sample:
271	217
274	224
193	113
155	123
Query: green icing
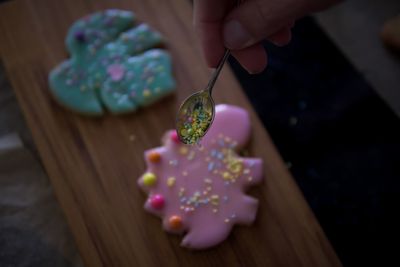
147	78
111	65
77	96
96	30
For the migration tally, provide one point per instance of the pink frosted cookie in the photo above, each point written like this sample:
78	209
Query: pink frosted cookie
199	191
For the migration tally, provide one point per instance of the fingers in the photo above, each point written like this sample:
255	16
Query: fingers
253	58
207	20
281	38
255	20
241	30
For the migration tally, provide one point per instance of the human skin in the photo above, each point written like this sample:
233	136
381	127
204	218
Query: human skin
223	24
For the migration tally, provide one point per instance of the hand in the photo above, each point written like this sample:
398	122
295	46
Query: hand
241	28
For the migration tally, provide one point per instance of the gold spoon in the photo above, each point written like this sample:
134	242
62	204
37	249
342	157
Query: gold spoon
197	112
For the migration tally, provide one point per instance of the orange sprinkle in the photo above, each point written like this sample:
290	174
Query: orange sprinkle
154	157
175	222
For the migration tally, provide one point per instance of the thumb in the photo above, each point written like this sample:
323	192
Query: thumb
255	20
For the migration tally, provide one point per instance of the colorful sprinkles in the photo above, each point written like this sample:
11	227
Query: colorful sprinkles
195	118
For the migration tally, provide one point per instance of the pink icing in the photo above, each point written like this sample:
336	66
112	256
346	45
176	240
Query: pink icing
116	71
204	186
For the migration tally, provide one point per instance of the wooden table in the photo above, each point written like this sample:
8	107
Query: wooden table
93	165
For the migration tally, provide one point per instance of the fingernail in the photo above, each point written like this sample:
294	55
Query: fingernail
235	35
252	72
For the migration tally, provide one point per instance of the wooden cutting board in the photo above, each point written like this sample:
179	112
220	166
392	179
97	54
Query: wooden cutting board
93	164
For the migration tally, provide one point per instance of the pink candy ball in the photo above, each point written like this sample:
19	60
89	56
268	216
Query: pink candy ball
157	202
174	137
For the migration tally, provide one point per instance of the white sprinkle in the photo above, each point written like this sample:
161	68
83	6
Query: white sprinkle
173	162
208	181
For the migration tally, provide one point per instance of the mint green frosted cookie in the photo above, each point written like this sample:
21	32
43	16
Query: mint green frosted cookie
113	65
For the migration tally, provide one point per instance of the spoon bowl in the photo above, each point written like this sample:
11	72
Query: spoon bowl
195	117
197	112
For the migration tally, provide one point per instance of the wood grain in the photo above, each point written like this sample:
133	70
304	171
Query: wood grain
94	166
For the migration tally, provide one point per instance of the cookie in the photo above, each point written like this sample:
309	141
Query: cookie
114	65
199	191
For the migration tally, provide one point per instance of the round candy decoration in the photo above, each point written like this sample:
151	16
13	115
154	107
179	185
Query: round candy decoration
149	179
157	202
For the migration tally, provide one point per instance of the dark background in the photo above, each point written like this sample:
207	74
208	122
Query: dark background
339	139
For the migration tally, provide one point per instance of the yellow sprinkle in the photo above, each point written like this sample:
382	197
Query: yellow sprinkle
235	166
150	80
183	150
171	181
146	93
214	197
183	132
226	175
149	179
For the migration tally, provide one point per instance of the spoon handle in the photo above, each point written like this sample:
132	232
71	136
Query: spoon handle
216	72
